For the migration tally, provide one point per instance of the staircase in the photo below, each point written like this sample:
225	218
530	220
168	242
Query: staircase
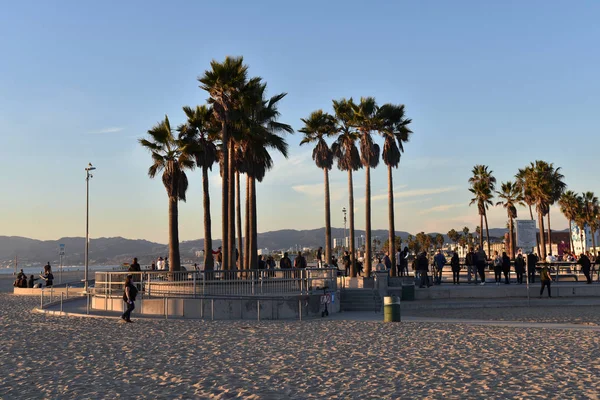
361	300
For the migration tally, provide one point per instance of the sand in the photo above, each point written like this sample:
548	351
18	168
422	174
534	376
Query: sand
73	358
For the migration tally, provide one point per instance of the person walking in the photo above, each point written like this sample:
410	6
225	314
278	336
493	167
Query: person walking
546	280
586	266
497	268
531	263
471	261
506	268
423	267
481	265
129	294
439	261
455	264
519	268
346	261
387	262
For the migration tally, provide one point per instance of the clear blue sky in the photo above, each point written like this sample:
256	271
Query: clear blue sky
500	83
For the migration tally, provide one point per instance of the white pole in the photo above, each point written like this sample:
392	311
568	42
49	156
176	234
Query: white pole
87	223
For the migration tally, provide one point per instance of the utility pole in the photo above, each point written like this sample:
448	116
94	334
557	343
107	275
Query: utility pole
88	176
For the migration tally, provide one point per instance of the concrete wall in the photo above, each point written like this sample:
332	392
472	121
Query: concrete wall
224	309
54	292
506	291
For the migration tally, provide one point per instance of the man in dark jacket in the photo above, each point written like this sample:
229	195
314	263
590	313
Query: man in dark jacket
471	262
519	268
481	265
423	268
531	263
586	266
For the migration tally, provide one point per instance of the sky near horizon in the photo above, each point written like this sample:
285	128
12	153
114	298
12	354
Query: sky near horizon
498	83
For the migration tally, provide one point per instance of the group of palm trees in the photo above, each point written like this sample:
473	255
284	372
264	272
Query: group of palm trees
236	129
351	123
539	184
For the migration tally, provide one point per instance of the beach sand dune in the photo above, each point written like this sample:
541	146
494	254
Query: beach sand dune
72	358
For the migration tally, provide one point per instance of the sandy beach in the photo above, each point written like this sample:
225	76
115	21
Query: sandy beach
56	357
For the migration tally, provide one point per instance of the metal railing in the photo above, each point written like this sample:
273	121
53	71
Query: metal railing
255	282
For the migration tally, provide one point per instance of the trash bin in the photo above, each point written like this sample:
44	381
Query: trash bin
391	309
408	292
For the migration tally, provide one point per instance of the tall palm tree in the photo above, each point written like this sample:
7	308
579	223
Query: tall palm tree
366	120
568	203
394	129
201	128
591	211
261	134
483	184
317	127
512	196
439	240
224	82
348	159
172	157
556	189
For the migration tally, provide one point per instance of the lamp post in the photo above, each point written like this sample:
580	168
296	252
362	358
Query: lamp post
344	242
88	176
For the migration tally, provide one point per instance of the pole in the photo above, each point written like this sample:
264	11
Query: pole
60	270
527	272
87	229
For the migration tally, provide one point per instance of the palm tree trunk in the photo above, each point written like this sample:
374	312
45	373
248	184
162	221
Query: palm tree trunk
542	237
481	231
225	196
327	219
351	225
511	228
571	236
238	208
208	257
392	232
594	243
549	233
537	241
253	218
487	234
248	225
174	258
231	208
367	258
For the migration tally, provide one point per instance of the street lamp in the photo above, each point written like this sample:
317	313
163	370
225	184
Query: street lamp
88	175
344	242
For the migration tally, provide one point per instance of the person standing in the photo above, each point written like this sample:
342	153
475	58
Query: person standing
519	268
218	256
423	267
439	261
404	262
387	262
506	268
471	261
481	265
455	264
497	268
160	264
546	280
319	255
399	271
586	266
300	261
129	294
531	263
346	261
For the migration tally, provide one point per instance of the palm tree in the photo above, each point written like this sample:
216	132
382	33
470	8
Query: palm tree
568	203
366	120
483	184
348	159
316	128
201	128
556	189
261	133
224	82
439	240
591	211
172	157
395	132
512	196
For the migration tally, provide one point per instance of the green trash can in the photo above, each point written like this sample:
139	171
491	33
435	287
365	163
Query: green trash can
408	292
391	309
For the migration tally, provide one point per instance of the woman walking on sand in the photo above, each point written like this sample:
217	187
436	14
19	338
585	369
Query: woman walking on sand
129	294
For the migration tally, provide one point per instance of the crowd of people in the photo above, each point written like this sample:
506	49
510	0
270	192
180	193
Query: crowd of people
22	281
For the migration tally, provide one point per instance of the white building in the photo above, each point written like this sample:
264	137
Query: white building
579	246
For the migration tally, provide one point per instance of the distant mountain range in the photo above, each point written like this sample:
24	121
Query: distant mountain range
116	250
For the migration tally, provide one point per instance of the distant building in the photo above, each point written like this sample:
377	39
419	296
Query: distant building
579	246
